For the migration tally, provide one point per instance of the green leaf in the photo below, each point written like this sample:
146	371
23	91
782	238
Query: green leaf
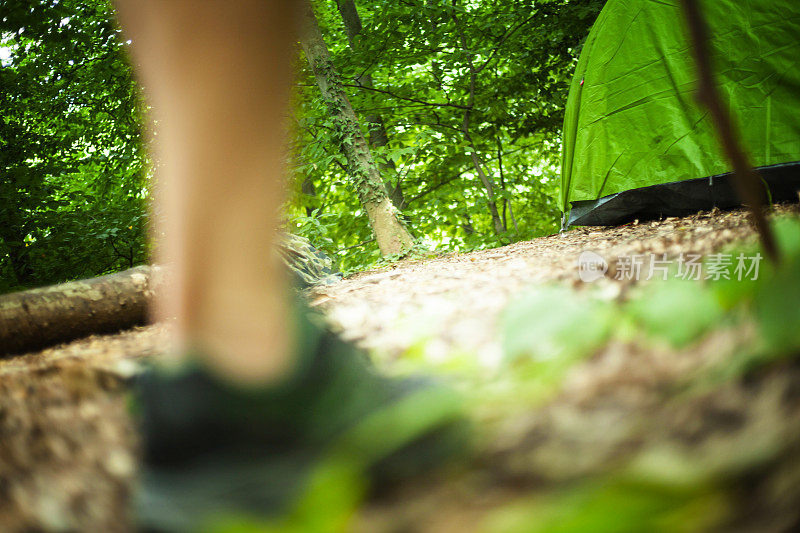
555	324
778	297
677	311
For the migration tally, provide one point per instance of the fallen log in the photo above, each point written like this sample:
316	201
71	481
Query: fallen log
37	318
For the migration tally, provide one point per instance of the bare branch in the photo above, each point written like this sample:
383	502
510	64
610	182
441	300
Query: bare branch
748	184
406	98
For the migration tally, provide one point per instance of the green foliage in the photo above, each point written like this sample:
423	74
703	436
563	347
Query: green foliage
770	300
547	330
664	488
615	506
419	55
675	311
329	503
71	160
553	325
337	484
775	297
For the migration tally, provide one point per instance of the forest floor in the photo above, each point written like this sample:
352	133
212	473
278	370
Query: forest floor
664	435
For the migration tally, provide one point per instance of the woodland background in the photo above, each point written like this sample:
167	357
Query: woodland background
676	408
462	103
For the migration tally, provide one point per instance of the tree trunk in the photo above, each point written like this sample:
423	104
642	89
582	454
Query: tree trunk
390	233
12	235
307	188
506	203
378	136
488	184
42	317
487	181
20	263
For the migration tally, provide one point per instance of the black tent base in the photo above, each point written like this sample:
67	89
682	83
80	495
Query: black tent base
681	198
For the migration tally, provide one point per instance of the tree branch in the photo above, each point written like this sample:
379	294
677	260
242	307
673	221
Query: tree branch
406	98
746	181
433	188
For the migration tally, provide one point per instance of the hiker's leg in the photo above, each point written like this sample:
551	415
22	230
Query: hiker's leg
217	74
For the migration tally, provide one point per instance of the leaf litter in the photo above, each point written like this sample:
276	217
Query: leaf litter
614	426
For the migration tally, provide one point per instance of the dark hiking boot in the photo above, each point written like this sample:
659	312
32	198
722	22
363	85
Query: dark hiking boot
212	448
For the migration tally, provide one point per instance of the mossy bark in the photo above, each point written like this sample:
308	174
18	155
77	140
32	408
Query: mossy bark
391	234
378	136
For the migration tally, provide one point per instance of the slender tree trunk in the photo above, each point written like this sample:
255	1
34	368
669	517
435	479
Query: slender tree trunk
488	184
20	263
378	136
308	188
487	181
506	203
12	234
467	225
390	233
513	219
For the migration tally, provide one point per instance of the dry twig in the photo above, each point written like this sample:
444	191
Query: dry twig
748	184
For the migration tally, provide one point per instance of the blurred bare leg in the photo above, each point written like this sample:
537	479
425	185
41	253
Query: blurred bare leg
217	74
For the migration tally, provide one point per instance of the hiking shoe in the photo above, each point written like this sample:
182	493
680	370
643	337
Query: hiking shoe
212	448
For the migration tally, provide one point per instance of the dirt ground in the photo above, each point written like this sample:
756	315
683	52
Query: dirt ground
68	447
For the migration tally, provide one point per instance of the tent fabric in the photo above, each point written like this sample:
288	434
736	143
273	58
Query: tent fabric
632	120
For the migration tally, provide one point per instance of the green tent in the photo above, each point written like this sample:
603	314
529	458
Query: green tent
637	144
